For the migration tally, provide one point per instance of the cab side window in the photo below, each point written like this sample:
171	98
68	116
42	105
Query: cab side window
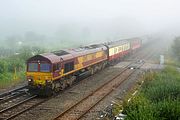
56	66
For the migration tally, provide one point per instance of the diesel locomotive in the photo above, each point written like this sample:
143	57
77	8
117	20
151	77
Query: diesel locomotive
51	72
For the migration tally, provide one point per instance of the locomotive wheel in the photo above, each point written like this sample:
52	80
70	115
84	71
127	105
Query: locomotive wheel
71	80
96	69
104	65
57	89
62	85
101	66
92	71
48	93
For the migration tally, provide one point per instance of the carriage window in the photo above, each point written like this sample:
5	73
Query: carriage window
32	67
115	50
120	49
44	67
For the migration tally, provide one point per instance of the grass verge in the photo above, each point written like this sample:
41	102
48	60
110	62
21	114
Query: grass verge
9	79
158	98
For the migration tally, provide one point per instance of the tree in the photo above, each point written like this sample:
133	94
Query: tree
3	66
25	52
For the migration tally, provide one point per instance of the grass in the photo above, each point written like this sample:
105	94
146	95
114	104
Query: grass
158	98
9	79
5	79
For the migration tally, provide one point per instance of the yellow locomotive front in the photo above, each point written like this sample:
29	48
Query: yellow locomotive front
40	74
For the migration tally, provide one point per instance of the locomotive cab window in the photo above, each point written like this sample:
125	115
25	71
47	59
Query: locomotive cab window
68	67
45	67
32	67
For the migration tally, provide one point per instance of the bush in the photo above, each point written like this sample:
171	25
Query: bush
3	66
139	108
159	97
18	62
5	79
168	109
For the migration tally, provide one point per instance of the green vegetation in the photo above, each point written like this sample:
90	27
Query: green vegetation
11	71
158	99
15	50
12	66
159	96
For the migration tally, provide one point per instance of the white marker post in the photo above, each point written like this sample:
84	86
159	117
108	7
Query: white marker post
161	59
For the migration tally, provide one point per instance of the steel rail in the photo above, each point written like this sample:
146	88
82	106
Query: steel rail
26	109
11	97
73	106
12	91
116	86
17	104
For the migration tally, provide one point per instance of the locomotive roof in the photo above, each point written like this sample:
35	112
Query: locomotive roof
117	43
44	57
67	54
50	57
86	50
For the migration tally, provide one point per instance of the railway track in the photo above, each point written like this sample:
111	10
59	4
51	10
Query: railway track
6	96
141	56
79	109
16	102
82	107
18	106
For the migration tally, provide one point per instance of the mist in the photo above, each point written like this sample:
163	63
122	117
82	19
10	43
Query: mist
57	24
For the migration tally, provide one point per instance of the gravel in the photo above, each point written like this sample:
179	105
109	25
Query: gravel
53	107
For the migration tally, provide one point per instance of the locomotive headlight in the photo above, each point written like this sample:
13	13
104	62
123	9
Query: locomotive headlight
29	80
48	81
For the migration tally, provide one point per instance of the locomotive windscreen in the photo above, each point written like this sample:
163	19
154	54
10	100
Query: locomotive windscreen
45	67
32	67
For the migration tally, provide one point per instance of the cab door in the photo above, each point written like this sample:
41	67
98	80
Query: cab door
56	69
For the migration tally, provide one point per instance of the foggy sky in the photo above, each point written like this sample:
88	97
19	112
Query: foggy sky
125	17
